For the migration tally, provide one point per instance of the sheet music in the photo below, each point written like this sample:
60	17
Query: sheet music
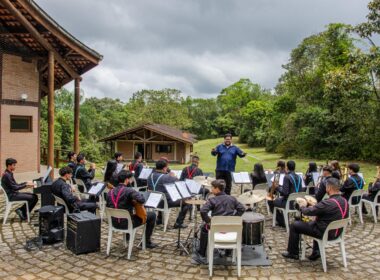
282	176
177	173
315	177
145	173
270	178
181	186
241	178
193	186
173	192
300	174
96	188
153	200
46	174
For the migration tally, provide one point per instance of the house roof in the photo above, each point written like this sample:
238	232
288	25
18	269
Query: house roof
163	129
25	28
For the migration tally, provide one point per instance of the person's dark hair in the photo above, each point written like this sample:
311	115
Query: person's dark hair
195	156
10	161
354	167
227	135
333	183
117	154
65	170
161	164
327	168
313	167
70	155
291	165
123	175
80	157
110	169
164	159
335	165
219	183
258	171
281	164
138	155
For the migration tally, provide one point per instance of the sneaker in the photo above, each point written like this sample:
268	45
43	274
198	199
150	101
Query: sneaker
314	256
179	226
151	245
290	256
20	214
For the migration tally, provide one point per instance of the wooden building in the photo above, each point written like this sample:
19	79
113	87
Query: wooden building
37	56
153	141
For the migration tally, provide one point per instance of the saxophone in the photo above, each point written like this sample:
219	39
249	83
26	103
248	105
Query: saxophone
275	184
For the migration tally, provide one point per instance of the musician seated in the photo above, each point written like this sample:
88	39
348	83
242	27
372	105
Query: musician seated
136	166
83	174
12	189
122	197
281	167
72	157
321	190
373	189
337	172
192	171
156	182
63	190
219	205
354	182
110	176
258	175
309	176
292	183
328	210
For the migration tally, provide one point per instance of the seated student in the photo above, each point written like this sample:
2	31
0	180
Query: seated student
122	197
281	167
328	210
337	171
292	183
63	190
321	190
72	157
191	171
258	175
83	174
309	176
354	182
156	182
110	176
136	166
373	189
12	189
219	205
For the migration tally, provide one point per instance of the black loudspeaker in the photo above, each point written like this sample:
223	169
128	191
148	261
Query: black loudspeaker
51	224
83	233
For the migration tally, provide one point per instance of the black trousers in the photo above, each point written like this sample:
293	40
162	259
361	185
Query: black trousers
30	197
203	240
226	176
182	213
136	221
88	205
297	228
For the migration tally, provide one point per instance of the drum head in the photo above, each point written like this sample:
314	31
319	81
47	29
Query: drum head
251	217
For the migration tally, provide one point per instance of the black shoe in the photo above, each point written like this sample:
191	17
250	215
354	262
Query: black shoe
314	256
179	226
290	256
151	245
158	222
20	214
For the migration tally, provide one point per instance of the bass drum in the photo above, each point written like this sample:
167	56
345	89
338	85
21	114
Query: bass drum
253	228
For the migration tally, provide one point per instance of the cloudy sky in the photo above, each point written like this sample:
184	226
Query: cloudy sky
196	46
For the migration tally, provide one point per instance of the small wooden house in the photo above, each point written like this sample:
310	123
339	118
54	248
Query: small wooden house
153	141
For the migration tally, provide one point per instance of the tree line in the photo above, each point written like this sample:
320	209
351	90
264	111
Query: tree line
326	103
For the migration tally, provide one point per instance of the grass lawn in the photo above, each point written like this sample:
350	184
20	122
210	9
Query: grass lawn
269	160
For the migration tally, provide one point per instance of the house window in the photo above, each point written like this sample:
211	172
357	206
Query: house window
163	148
21	123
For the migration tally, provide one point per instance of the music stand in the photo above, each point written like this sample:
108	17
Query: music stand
241	178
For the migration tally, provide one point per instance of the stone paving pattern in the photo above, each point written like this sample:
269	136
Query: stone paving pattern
164	262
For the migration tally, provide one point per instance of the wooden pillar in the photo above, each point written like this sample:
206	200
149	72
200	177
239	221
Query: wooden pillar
175	151
76	114
50	157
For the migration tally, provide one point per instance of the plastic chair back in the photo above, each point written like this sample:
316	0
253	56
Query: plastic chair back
263	186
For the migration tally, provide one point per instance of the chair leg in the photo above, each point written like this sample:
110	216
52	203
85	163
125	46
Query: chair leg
239	260
27	211
274	217
360	212
268	208
144	238
166	220
7	210
210	258
373	209
109	241
125	239
343	251
130	245
323	255
349	218
286	219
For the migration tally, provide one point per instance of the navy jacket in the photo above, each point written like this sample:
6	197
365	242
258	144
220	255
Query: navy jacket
353	183
63	190
9	184
157	180
85	175
321	191
292	183
226	160
190	172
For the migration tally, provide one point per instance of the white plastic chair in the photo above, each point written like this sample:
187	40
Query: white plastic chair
356	193
9	204
225	233
123	214
287	210
373	205
80	182
165	210
310	185
82	195
324	242
60	201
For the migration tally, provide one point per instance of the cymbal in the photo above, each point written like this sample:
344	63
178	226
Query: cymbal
202	180
251	197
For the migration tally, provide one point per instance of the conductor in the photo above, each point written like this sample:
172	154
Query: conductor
226	160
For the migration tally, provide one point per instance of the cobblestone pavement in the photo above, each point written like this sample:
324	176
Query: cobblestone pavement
164	262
